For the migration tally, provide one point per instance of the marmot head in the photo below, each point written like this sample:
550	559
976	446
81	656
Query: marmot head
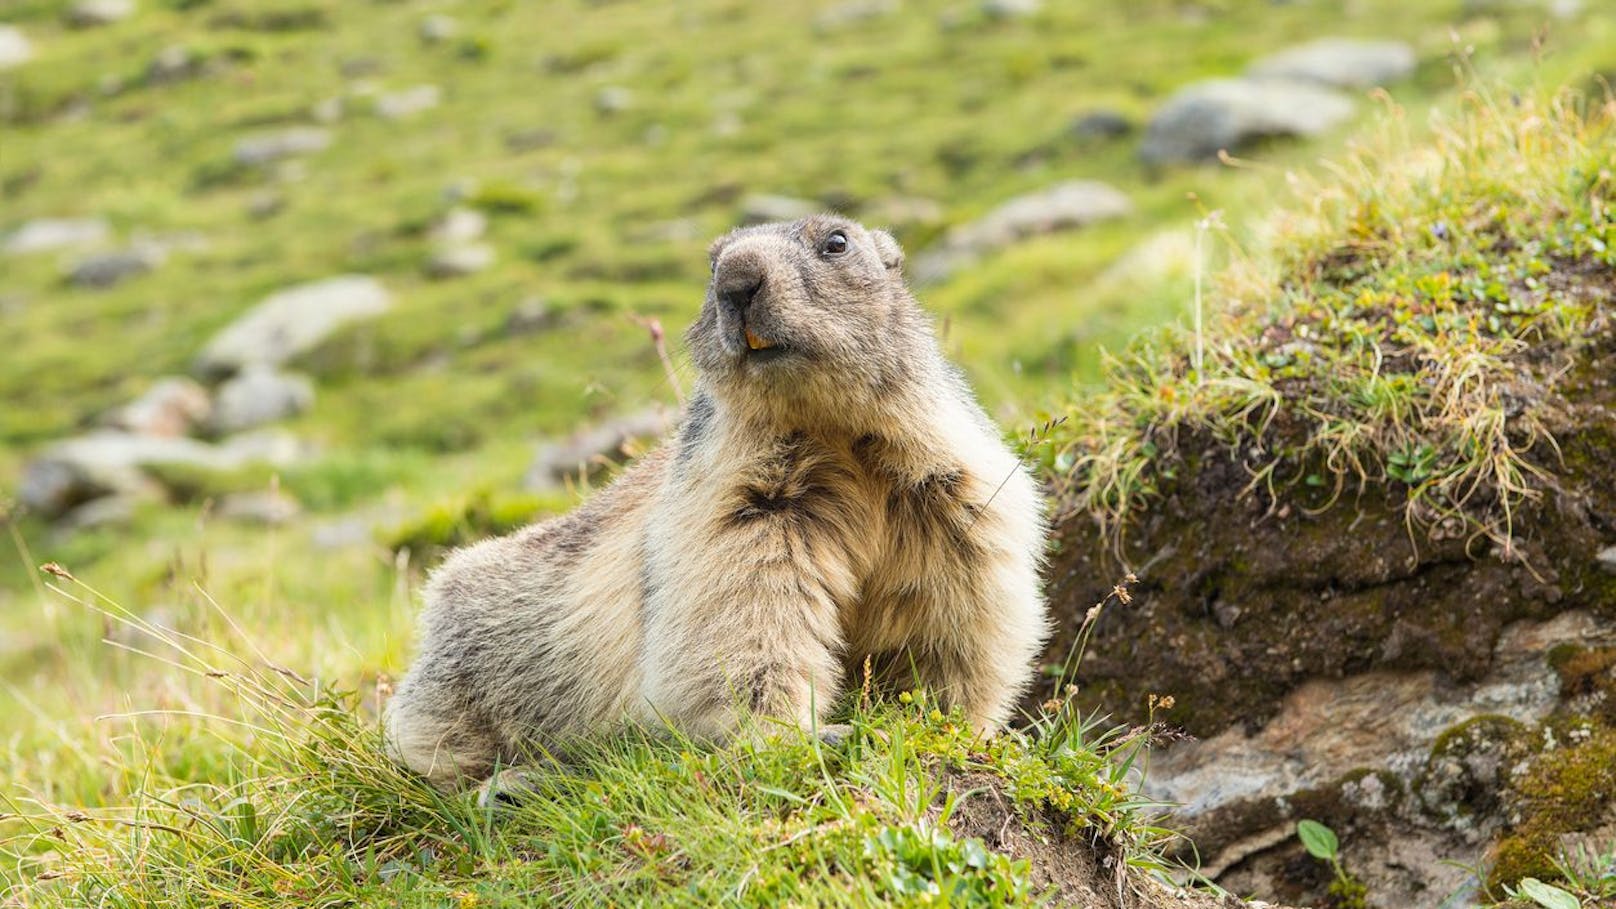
810	312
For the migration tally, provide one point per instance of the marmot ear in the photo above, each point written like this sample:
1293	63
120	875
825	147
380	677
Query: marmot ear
891	253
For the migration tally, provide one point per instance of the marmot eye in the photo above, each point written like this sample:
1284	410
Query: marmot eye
835	244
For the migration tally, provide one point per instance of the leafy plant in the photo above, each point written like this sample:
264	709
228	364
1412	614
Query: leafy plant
1547	895
1320	842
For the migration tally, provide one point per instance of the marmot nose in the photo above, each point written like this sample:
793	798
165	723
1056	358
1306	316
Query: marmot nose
738	282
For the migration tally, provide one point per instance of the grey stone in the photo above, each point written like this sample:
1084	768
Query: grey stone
259	395
438	28
267	148
174	63
1607	559
531	315
1340	62
460	225
1011	9
761	208
408	102
277	447
104	269
15	50
854	12
103	463
1228	114
107	511
90	13
587	450
292	321
173	406
613	99
460	259
1100	124
328	110
49	234
269	507
1064	206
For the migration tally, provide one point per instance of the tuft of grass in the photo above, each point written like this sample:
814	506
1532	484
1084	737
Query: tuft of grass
1399	327
298	805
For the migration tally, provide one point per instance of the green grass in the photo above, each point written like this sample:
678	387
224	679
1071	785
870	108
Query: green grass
284	797
1399	333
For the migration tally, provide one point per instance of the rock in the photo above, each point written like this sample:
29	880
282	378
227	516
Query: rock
103	463
172	407
267	148
408	102
1098	125
613	99
1340	62
905	211
525	140
854	12
105	269
460	225
1204	118
14	47
174	63
1607	559
291	321
438	28
1011	9
265	203
589	449
107	511
48	234
259	395
90	13
531	315
761	208
268	507
1065	206
328	110
459	260
276	447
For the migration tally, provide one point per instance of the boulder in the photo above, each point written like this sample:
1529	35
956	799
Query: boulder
1065	206
408	102
172	407
14	47
50	234
854	12
104	269
460	225
269	507
1339	62
104	463
91	13
1011	9
459	259
1229	114
589	450
267	148
438	28
259	395
1098	125
292	321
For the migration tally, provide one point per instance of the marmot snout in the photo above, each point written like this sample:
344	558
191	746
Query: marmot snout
833	493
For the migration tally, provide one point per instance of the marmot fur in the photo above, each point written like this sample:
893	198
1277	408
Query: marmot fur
833	493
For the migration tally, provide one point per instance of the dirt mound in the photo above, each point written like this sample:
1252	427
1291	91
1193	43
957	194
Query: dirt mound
1076	867
1248	590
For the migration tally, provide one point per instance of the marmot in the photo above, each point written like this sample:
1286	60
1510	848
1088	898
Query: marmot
833	493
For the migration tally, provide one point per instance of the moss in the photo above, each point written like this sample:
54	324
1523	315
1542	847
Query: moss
1564	790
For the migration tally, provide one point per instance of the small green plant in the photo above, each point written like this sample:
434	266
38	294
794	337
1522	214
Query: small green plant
1346	891
1546	895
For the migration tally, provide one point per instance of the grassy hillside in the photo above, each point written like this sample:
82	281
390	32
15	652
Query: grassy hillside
606	143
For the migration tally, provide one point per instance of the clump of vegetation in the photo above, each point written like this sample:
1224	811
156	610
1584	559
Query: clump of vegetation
1346	891
312	812
464	519
1404	334
1566	787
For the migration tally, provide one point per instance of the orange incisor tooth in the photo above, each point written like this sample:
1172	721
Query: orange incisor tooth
755	342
